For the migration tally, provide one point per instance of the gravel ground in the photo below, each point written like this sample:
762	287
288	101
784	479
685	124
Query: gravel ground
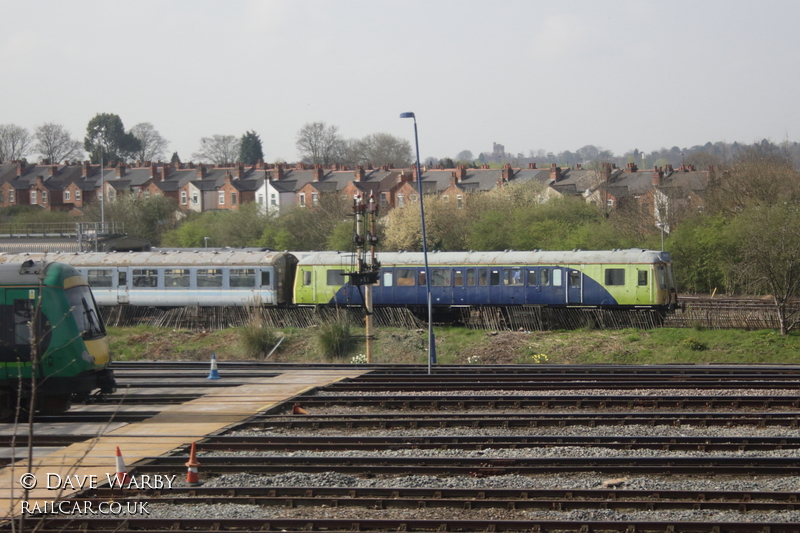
569	392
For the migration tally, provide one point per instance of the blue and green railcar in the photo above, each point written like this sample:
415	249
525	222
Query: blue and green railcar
615	279
48	311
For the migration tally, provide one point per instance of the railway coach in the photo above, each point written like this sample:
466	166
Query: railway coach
617	279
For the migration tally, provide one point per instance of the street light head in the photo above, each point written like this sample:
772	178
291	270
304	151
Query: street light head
407	114
660	224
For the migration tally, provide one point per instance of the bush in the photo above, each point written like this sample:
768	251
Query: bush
694	344
258	340
334	338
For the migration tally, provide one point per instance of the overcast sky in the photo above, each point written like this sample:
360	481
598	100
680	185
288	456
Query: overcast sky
527	74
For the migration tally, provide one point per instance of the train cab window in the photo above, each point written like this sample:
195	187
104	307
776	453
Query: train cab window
440	277
405	277
242	277
642	276
483	277
306	278
23	313
532	278
662	277
458	278
615	276
557	277
470	277
99	277
494	278
209	277
574	279
512	276
176	278
336	278
545	277
122	279
387	278
266	278
145	277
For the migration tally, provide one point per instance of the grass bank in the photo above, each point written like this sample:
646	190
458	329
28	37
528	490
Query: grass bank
460	346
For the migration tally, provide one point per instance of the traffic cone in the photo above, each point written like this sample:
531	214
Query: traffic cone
297	410
191	475
213	374
122	470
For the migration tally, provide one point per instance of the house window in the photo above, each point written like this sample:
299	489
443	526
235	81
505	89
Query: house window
77	195
147	194
273	201
66	196
195	198
11	197
183	197
221	197
412	197
383	199
260	199
44	197
233	198
446	197
460	200
400	201
314	199
610	202
33	197
344	197
302	198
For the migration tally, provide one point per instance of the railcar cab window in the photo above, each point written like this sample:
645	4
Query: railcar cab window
145	277
512	276
531	278
242	277
84	310
209	277
405	277
440	277
100	277
615	276
662	277
306	278
336	278
642	278
176	278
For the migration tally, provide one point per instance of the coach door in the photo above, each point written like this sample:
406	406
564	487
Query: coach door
574	285
122	286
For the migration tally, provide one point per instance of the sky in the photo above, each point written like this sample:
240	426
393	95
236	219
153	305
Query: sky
528	74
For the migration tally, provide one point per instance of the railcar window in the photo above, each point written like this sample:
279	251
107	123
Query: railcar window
405	277
100	277
545	280
642	278
574	279
306	278
122	279
387	278
483	277
458	278
531	278
23	313
470	277
209	277
242	277
176	278
512	276
145	277
440	277
556	277
266	280
662	278
336	278
494	278
422	279
615	276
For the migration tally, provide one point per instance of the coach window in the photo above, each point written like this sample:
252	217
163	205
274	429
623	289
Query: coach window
336	278
306	278
574	279
405	277
494	279
122	279
557	277
483	277
266	280
642	278
209	277
242	277
545	279
440	277
387	278
422	277
471	277
145	277
531	278
615	276
176	278
100	277
458	278
512	276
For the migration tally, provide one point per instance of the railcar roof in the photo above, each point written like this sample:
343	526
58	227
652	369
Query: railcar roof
631	256
156	259
13	273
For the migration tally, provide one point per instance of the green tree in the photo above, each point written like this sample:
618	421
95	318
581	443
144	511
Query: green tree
704	254
106	133
250	149
145	218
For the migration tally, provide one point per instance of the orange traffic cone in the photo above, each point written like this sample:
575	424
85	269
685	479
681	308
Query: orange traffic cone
297	410
191	476
122	470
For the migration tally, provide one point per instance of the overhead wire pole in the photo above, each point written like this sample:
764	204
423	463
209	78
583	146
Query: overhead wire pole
431	338
367	269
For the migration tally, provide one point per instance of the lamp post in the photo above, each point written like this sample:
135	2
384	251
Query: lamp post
100	133
431	339
661	225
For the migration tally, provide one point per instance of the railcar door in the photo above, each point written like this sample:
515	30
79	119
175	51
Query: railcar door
459	289
513	286
495	286
643	283
123	297
574	286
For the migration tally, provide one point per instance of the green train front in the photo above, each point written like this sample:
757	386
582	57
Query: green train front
611	279
52	304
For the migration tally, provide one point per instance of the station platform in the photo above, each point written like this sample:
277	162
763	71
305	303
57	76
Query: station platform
173	427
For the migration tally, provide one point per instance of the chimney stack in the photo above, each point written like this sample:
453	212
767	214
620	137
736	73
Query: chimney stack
165	172
21	166
239	171
508	173
52	170
532	166
201	171
154	171
555	173
120	170
318	173
461	172
278	174
86	169
658	175
360	173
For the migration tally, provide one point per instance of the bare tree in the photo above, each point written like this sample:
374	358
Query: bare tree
218	149
319	143
14	142
154	146
385	149
55	143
